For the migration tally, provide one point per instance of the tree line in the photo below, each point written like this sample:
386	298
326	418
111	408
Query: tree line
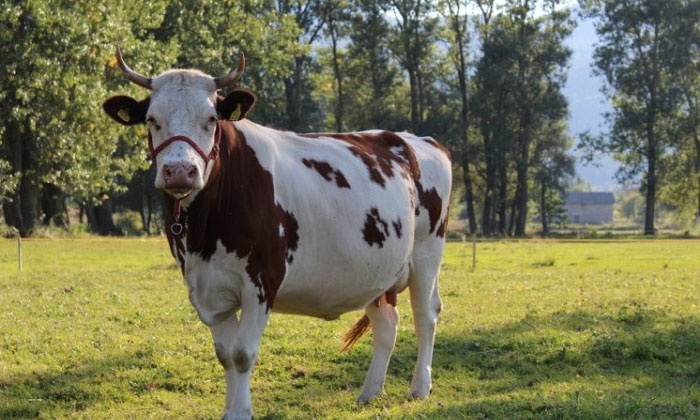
484	77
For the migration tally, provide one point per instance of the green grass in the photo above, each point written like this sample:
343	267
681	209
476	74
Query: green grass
103	329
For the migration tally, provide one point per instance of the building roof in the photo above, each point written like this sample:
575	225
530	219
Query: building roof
579	197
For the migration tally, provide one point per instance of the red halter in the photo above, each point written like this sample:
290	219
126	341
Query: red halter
176	227
207	157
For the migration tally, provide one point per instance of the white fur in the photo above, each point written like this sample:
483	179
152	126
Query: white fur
182	101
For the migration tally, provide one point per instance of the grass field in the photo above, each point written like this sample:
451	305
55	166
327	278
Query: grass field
103	329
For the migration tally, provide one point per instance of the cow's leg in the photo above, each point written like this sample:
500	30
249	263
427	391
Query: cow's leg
384	319
237	350
223	334
426	306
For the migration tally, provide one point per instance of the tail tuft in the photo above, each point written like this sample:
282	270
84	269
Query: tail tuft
359	328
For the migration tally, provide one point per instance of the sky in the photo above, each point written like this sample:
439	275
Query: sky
587	105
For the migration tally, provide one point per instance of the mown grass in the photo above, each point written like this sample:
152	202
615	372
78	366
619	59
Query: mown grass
103	329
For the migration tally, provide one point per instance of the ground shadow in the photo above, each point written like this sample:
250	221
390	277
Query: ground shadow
615	349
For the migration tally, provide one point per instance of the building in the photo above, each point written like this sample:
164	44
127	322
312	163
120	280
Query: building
592	208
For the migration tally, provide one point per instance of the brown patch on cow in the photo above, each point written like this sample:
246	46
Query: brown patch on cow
176	243
431	141
237	207
442	229
379	152
391	297
397	227
431	201
327	172
291	230
375	230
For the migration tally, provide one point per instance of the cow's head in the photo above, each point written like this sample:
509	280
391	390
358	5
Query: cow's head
182	114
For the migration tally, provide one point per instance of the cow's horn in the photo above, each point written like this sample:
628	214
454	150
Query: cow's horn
139	79
223	81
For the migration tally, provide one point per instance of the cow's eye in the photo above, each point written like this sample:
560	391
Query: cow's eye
211	120
152	122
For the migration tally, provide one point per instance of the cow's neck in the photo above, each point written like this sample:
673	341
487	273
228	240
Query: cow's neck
231	201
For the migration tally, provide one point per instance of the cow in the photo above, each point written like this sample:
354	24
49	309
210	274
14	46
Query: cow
261	220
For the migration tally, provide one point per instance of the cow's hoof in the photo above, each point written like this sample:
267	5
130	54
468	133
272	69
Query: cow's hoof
364	399
419	393
231	416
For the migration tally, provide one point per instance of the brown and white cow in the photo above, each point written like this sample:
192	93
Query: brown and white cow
263	220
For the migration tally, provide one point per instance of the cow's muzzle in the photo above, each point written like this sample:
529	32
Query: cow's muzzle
179	179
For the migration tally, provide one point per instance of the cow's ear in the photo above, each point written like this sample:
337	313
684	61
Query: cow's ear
126	110
236	104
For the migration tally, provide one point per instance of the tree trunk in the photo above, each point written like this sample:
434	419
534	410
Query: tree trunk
460	66
543	209
490	181
523	160
53	204
144	221
292	88
468	194
521	200
696	141
649	228
421	100
503	199
149	215
513	213
100	219
413	84
22	211
338	80
29	200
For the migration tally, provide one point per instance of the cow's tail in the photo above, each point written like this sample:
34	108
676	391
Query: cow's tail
359	328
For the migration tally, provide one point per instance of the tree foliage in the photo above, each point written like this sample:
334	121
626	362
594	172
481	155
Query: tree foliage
484	79
646	47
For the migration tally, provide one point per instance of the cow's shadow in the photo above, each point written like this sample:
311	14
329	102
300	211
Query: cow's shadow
615	349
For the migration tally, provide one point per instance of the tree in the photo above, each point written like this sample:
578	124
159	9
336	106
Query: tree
54	135
309	18
373	74
541	60
641	54
683	166
553	166
414	32
457	35
207	35
518	83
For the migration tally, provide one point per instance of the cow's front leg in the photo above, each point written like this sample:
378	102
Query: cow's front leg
236	342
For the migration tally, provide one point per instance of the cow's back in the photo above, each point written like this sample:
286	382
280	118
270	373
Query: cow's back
361	201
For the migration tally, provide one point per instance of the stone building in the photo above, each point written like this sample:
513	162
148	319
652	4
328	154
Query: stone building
592	208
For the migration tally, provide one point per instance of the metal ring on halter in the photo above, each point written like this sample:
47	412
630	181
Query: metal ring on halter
176	228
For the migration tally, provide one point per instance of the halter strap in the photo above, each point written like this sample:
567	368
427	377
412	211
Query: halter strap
176	228
213	154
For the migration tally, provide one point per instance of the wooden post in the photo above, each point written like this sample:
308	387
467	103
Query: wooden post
19	252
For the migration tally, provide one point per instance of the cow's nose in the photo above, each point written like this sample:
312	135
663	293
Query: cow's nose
179	178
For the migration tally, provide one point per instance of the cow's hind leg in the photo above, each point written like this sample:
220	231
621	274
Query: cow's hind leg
426	306
384	319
